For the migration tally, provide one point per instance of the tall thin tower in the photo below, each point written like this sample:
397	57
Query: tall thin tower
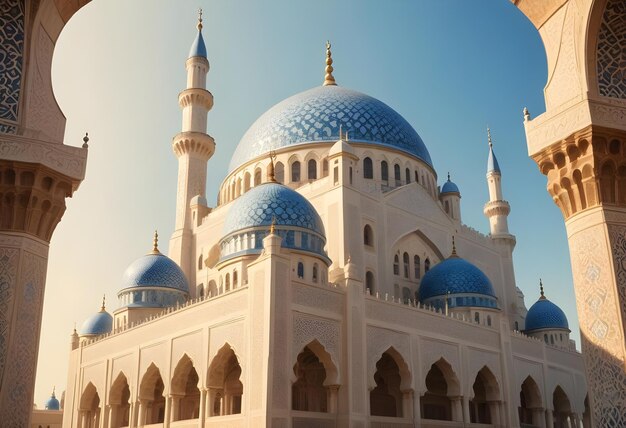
193	147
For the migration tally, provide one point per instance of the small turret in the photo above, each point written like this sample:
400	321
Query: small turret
450	196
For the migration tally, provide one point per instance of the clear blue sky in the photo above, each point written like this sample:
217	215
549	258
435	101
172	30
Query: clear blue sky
450	67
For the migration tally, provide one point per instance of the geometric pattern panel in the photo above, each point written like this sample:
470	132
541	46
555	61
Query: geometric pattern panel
11	55
319	114
611	52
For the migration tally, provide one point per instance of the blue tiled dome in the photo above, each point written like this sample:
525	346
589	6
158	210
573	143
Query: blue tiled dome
99	323
457	277
316	116
449	187
155	270
260	205
251	215
545	314
52	403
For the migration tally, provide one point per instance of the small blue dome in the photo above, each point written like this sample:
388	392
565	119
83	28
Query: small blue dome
251	215
316	115
449	187
198	48
457	276
52	403
545	314
99	323
155	270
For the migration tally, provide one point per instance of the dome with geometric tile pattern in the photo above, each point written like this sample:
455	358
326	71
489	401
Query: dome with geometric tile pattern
316	115
99	323
154	270
251	215
544	314
461	281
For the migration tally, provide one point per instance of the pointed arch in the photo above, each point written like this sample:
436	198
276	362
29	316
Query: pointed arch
185	390
89	405
393	380
224	384
308	392
486	395
151	392
441	383
258	176
562	407
119	399
529	411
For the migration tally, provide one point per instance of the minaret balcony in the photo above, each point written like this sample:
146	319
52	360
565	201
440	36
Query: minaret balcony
193	143
196	97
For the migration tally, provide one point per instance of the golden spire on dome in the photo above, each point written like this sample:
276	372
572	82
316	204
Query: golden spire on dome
271	177
489	137
453	248
273	226
329	80
155	244
541	290
103	307
200	19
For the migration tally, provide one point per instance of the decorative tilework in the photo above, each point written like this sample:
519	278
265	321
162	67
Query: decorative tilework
545	314
155	270
611	51
8	271
317	115
7	129
11	54
457	276
99	323
269	201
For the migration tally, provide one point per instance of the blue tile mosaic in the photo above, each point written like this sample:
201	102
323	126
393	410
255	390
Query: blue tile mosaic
99	323
457	276
545	314
155	270
316	115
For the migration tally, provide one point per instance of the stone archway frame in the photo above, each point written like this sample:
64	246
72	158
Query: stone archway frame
176	373
151	370
381	340
218	362
449	374
537	391
89	393
478	360
406	380
493	388
324	331
425	239
434	352
112	390
332	373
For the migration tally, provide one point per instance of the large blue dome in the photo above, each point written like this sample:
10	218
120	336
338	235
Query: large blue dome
316	115
457	277
99	323
545	314
155	270
266	202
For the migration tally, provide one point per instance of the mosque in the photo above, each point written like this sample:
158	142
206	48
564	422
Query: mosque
333	284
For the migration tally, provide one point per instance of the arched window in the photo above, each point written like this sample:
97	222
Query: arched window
325	167
396	265
312	169
516	326
184	386
279	172
551	339
368	168
369	281
417	177
295	172
201	290
227	282
384	171
257	176
246	182
315	272
300	270
386	398
476	317
151	390
545	338
200	262
224	378
447	207
308	391
417	266
396	174
407	175
426	265
405	262
235	279
368	235
489	320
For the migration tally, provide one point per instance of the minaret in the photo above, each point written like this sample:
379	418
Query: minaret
497	209
193	147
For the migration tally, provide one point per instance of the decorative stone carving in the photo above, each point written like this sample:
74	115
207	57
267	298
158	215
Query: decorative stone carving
325	331
611	51
380	340
11	53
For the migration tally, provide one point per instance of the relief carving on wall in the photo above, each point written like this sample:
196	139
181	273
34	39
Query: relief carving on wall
611	51
601	330
11	57
326	332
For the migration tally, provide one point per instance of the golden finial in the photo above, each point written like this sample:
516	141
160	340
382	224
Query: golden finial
448	175
489	137
453	248
53	391
155	244
103	308
541	290
270	168
273	226
199	19
329	80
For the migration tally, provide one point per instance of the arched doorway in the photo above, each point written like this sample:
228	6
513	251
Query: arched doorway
89	407
308	392
484	406
441	385
225	387
530	411
151	399
562	408
119	400
185	392
392	379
